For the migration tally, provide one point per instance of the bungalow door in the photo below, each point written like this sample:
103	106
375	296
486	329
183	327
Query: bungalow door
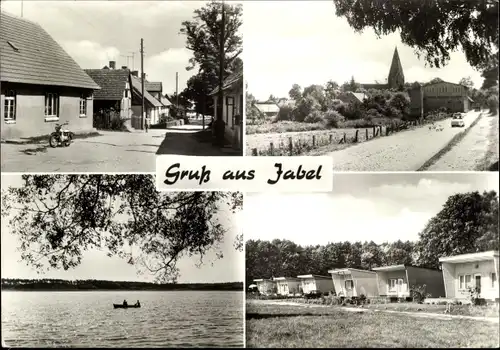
477	283
400	287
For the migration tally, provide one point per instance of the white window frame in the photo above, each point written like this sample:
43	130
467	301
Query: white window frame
83	100
10	101
351	285
393	287
53	99
463	284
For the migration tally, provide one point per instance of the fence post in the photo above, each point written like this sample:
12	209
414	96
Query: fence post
356	138
345	138
254	151
374	133
366	134
271	148
290	145
331	138
387	130
314	141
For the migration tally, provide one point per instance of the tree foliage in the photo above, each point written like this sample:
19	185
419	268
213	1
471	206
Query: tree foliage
432	28
203	39
467	223
58	217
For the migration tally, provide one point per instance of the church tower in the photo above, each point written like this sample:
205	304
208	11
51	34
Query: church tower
396	79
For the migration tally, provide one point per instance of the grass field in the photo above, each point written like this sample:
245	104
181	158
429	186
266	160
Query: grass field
297	326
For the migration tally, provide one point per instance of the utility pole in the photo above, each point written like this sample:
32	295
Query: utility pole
142	83
219	126
177	89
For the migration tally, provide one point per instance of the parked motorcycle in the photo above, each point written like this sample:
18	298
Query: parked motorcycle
60	137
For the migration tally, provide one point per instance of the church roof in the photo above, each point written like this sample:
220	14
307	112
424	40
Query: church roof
396	69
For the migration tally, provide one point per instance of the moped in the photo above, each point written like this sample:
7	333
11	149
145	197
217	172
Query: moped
60	137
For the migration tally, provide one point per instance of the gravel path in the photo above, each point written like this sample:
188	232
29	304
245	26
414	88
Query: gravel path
470	151
403	151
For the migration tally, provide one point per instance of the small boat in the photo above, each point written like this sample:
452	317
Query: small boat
121	306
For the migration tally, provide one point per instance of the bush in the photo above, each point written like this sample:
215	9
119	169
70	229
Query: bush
353	111
418	293
305	107
314	117
285	113
493	104
333	118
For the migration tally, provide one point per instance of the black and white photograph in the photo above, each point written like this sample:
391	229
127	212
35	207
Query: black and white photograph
376	85
105	86
108	261
400	260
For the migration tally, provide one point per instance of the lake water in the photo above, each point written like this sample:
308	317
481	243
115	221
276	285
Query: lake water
87	319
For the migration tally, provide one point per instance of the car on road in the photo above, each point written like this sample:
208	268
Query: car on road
457	120
314	294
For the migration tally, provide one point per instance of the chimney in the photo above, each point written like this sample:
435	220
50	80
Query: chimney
112	64
124	67
135	73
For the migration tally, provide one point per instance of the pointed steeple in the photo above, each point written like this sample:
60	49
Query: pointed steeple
396	78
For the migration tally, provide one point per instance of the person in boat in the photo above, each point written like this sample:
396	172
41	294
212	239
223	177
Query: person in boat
125	303
138	303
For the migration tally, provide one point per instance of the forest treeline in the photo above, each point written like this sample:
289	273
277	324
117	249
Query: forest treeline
467	223
48	284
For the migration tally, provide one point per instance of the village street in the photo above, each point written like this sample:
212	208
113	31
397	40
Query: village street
403	151
477	151
108	152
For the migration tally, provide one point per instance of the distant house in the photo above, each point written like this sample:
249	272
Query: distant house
41	85
311	283
471	270
156	90
267	109
232	108
122	91
287	285
454	97
351	282
397	280
353	97
265	286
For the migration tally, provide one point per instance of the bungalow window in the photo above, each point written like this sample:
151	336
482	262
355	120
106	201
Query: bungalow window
349	284
229	107
464	282
393	284
10	106
83	106
493	279
51	106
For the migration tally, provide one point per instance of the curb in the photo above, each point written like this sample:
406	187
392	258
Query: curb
454	140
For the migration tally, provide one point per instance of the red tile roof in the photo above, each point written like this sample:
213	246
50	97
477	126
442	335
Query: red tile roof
29	55
111	81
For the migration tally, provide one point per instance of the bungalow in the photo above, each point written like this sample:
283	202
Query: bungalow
397	280
268	110
265	286
232	108
471	270
287	285
351	282
311	283
41	85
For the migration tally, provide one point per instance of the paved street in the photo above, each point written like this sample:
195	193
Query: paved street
471	151
404	151
109	152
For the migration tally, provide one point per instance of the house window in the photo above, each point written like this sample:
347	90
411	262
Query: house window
349	284
83	106
10	107
464	282
51	106
493	279
229	108
393	284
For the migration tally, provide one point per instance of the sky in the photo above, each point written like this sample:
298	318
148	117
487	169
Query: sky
96	32
304	42
96	265
383	207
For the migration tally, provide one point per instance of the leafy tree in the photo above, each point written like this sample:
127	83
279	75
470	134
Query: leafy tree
432	28
57	217
272	99
351	85
467	223
295	92
467	81
401	102
203	39
436	80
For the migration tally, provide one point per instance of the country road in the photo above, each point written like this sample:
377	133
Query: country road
470	152
404	151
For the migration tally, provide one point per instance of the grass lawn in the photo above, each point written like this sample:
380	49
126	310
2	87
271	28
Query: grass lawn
282	126
297	326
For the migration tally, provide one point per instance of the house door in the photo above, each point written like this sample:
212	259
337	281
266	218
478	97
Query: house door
400	287
478	283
